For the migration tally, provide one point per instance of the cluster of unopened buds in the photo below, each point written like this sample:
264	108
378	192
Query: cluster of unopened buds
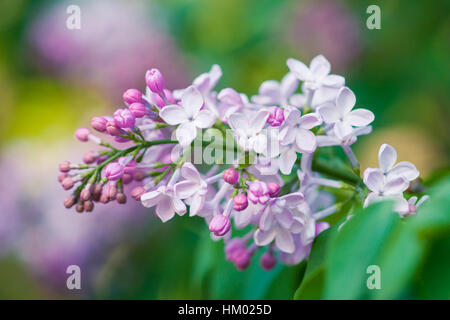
272	192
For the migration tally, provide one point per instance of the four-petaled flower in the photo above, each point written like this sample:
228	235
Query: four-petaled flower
188	116
317	75
387	156
166	202
273	93
342	116
248	130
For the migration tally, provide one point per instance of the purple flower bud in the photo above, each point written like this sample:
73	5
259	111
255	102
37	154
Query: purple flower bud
154	80
274	189
82	134
110	191
69	202
124	118
114	171
276	117
268	261
137	192
113	129
61	176
240	202
104	198
233	246
99	123
241	259
132	95
138	109
231	176
79	207
127	178
64	166
67	183
169	96
258	192
321	226
220	225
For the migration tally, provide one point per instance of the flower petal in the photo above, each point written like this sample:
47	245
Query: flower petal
190	172
192	101
293	199
151	198
374	179
334	81
238	121
196	205
204	119
387	157
310	120
396	186
405	169
284	241
359	117
289	84
186	133
287	161
263	238
179	206
299	69
305	140
258	121
329	113
173	114
185	189
345	100
320	67
164	209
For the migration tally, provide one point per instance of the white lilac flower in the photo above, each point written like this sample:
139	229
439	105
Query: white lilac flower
188	116
383	188
279	223
249	130
333	140
342	116
317	75
273	93
318	98
387	156
297	130
193	189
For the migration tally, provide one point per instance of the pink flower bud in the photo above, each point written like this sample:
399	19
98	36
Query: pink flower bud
85	194
276	117
169	96
101	159
268	261
79	207
110	191
137	192
121	139
124	118
258	192
138	109
82	134
127	178
64	166
113	129
130	167
220	225
99	123
154	80
241	259
274	189
138	175
132	95
104	198
240	202
67	183
321	226
114	171
89	157
121	198
62	176
88	206
231	176
69	202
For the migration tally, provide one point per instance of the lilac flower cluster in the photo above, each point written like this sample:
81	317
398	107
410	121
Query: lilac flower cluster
280	208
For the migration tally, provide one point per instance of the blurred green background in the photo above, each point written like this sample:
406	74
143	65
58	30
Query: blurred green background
53	80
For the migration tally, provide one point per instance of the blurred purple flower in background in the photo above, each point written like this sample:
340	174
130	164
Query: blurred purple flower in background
39	230
117	40
328	27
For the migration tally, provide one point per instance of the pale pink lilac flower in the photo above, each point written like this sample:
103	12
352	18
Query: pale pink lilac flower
273	93
249	130
188	116
193	189
387	156
342	116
